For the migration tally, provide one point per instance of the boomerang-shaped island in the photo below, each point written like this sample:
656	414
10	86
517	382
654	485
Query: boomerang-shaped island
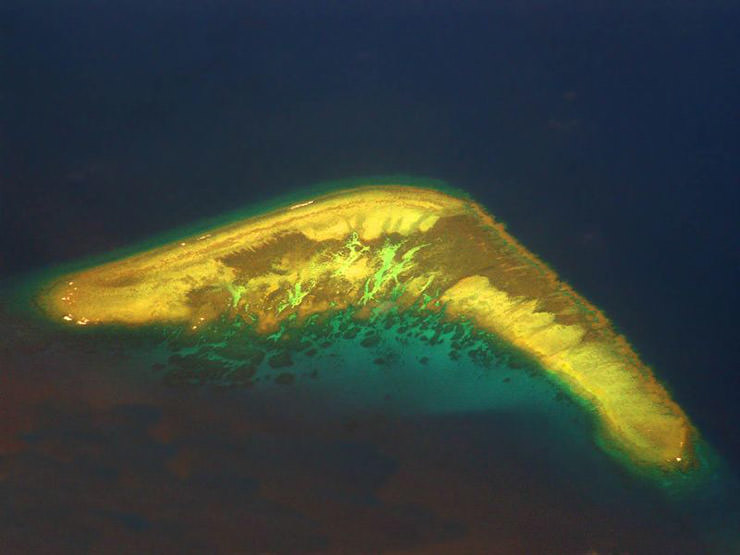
373	245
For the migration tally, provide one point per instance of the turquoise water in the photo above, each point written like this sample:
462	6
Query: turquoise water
417	365
406	363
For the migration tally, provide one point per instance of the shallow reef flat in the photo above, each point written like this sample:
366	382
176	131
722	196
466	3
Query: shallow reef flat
372	250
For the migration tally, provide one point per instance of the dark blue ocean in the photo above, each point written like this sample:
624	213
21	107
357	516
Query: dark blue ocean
605	135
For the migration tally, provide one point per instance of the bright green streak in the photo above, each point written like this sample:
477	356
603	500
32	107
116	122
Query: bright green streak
295	296
356	250
389	269
236	292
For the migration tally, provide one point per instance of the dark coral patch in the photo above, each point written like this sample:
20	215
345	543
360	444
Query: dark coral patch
285	378
280	360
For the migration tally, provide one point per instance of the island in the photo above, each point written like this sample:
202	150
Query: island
373	246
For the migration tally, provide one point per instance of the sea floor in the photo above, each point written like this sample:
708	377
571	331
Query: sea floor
398	434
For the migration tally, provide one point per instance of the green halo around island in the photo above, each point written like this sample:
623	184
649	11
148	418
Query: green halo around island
388	249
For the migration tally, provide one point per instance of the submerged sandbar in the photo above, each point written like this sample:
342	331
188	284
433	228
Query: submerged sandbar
370	246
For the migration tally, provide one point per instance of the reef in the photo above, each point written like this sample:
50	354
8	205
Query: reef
373	250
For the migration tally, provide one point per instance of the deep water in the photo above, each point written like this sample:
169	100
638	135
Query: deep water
604	136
